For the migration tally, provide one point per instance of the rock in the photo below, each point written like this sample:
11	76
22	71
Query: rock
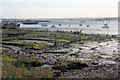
47	66
99	57
107	62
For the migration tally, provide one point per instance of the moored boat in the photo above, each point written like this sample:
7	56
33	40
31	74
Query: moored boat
44	25
53	26
30	23
80	25
60	24
105	26
88	25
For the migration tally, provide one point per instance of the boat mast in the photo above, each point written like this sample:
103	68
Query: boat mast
15	19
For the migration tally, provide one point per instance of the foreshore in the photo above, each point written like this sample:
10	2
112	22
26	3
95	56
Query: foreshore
93	55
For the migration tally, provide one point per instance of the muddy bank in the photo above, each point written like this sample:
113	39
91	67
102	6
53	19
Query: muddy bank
65	52
103	55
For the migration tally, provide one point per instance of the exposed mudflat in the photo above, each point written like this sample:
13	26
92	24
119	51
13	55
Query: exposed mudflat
105	54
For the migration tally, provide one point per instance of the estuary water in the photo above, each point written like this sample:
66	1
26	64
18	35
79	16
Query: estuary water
94	27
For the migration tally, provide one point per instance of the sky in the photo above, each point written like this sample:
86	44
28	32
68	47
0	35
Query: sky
58	8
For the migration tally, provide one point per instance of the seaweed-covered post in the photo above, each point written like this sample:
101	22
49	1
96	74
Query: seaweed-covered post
107	32
74	33
80	31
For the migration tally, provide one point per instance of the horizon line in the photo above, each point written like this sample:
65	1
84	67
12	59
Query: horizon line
54	17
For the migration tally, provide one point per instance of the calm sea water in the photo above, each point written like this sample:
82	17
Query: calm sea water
94	28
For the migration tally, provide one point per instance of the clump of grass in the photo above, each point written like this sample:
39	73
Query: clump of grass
15	43
19	62
38	46
79	42
94	63
80	48
93	48
67	65
63	40
7	47
103	54
57	74
74	54
46	39
84	38
117	54
95	55
27	62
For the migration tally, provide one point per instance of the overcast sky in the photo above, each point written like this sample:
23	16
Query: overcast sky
58	8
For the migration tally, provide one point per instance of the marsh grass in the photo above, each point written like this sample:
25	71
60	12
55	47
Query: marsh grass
93	48
103	54
24	67
68	65
15	43
38	46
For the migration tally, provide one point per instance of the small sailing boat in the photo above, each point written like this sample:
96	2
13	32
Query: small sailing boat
105	26
60	24
69	26
53	26
80	25
88	25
